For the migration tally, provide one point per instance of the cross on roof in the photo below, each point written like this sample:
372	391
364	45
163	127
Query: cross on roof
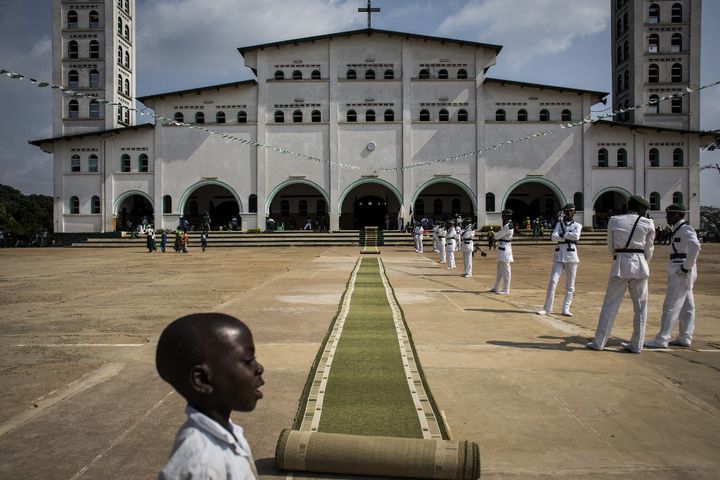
370	10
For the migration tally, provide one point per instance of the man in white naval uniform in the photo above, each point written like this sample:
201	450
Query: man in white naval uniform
504	254
436	240
442	233
566	234
452	241
466	247
682	273
630	240
418	231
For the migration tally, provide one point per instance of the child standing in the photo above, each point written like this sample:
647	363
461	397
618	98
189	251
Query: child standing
209	358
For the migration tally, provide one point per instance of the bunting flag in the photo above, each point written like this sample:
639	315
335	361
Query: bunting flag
233	138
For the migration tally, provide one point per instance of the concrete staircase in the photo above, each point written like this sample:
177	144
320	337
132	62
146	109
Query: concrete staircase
302	238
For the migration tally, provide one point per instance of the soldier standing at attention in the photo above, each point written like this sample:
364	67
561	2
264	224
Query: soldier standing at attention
504	254
630	240
442	233
682	273
566	234
467	248
452	232
436	240
418	238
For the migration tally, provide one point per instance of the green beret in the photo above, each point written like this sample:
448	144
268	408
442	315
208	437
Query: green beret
676	207
569	206
640	200
507	211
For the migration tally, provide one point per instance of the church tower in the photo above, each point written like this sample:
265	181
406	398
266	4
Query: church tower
93	53
656	52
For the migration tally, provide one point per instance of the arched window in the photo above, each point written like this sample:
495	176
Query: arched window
443	74
489	202
370	116
127	58
220	117
654	201
455	206
618	26
320	207
167	204
73	109
285	208
653	43
544	115
676	13
315	75
676	43
678	158
199	117
93	163
462	115
242	117
424	115
125	163
351	74
94	109
126	115
95	49
127	87
619	83
424	74
602	158
654	13
297	116
653	104
279	75
654	157
95	204
619	54
500	115
676	105
352	116
74	205
676	73
653	73
297	75
389	115
370	74
127	33
462	74
72	50
119	26
622	157
179	117
626	23
419	207
626	79
279	116
579	201
315	116
119	54
143	163
444	115
75	163
302	207
389	74
252	203
566	116
72	20
522	115
677	197
94	78
119	113
437	207
626	48
73	79
94	19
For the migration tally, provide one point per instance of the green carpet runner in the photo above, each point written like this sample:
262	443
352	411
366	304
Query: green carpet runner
366	379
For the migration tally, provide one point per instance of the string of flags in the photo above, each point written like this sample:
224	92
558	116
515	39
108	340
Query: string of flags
233	138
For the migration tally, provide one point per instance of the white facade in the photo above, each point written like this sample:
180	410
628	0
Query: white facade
422	113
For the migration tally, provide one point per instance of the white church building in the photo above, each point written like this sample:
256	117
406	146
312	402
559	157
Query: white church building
381	102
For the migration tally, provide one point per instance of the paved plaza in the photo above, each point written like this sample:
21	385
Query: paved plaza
80	399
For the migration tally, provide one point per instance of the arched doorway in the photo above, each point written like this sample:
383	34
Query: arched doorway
133	209
607	204
443	200
533	200
217	200
293	204
369	204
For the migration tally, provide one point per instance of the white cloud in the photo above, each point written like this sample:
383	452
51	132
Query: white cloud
527	28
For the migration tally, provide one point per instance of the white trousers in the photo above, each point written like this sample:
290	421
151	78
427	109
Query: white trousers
451	255
557	269
502	280
611	304
679	303
418	243
467	260
442	250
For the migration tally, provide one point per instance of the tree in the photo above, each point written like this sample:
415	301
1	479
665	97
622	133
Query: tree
22	216
710	222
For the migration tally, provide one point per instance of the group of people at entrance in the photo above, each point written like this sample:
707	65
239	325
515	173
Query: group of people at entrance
630	240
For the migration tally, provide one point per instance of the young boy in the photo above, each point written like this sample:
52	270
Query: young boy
209	358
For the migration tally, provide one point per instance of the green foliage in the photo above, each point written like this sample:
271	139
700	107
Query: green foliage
22	216
487	228
254	230
710	219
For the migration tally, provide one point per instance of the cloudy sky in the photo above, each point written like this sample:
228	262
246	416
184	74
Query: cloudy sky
190	43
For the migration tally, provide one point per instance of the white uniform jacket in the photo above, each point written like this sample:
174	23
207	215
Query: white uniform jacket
566	235
630	258
442	235
452	234
466	245
503	237
684	248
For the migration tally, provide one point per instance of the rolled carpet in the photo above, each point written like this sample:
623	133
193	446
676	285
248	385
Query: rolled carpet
377	456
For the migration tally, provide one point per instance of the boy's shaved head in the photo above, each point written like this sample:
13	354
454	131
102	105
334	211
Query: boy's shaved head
193	340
